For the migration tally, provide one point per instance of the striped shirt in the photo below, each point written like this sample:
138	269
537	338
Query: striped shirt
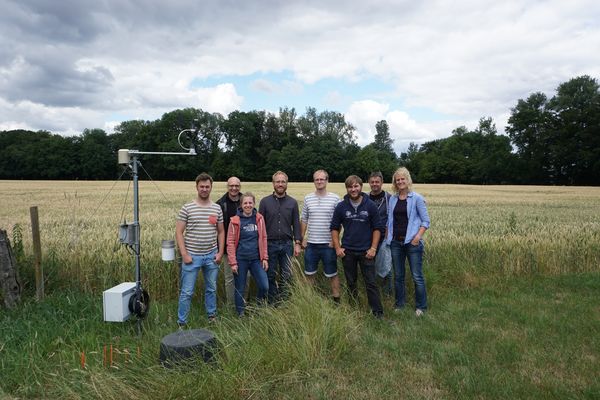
200	226
317	212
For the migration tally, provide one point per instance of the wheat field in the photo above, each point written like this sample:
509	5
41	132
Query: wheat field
477	233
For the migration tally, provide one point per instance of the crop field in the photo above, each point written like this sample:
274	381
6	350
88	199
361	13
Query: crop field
479	232
512	272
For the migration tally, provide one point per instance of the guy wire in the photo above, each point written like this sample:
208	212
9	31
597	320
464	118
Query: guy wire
157	188
110	190
125	202
77	228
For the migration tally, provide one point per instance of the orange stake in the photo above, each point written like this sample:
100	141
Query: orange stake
82	360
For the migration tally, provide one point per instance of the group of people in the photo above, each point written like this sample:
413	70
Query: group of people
374	232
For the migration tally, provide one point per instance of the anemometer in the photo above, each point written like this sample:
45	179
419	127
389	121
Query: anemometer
130	297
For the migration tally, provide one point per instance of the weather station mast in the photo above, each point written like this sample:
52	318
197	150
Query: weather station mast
129	298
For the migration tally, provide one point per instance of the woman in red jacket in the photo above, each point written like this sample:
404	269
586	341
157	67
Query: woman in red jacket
247	251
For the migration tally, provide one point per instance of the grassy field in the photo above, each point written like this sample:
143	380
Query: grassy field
513	277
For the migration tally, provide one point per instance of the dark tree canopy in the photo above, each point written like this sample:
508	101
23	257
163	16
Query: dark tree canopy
479	156
558	140
550	141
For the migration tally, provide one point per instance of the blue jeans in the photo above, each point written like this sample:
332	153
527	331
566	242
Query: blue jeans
280	255
400	252
260	277
189	274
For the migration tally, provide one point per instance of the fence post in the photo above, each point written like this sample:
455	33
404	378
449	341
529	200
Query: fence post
37	251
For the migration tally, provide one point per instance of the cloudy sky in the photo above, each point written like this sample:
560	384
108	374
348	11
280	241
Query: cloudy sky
426	67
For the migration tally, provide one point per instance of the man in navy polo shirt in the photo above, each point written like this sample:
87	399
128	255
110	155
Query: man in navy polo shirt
359	218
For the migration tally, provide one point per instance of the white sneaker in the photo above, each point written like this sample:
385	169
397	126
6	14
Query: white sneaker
419	312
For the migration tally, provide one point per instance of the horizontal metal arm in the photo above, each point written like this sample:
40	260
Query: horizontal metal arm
192	152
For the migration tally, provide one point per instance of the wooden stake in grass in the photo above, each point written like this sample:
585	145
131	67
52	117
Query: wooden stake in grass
37	251
83	360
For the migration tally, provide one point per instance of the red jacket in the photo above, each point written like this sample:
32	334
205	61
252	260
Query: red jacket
233	238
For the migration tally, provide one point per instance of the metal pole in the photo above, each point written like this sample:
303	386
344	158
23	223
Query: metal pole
136	243
136	223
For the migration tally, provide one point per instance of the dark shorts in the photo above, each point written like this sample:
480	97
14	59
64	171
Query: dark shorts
320	252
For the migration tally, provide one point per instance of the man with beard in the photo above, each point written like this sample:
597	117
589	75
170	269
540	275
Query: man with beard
359	218
229	203
201	241
283	236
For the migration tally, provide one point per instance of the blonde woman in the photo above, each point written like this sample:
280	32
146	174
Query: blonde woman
407	222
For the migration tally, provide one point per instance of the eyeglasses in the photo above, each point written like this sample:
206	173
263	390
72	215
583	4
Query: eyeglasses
320	179
233	186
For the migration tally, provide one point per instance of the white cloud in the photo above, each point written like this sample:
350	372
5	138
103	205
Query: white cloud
109	126
68	68
65	120
365	114
222	98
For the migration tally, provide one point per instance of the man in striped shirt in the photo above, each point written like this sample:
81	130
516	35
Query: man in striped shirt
315	219
201	241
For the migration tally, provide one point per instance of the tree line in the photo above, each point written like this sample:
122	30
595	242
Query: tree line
549	141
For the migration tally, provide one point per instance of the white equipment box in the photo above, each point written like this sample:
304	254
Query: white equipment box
116	302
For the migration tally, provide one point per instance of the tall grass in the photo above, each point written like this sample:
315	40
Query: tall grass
300	338
531	338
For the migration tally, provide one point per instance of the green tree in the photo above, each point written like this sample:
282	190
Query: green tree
37	155
387	160
528	128
558	140
244	140
96	161
411	159
383	141
575	135
182	129
288	125
477	157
